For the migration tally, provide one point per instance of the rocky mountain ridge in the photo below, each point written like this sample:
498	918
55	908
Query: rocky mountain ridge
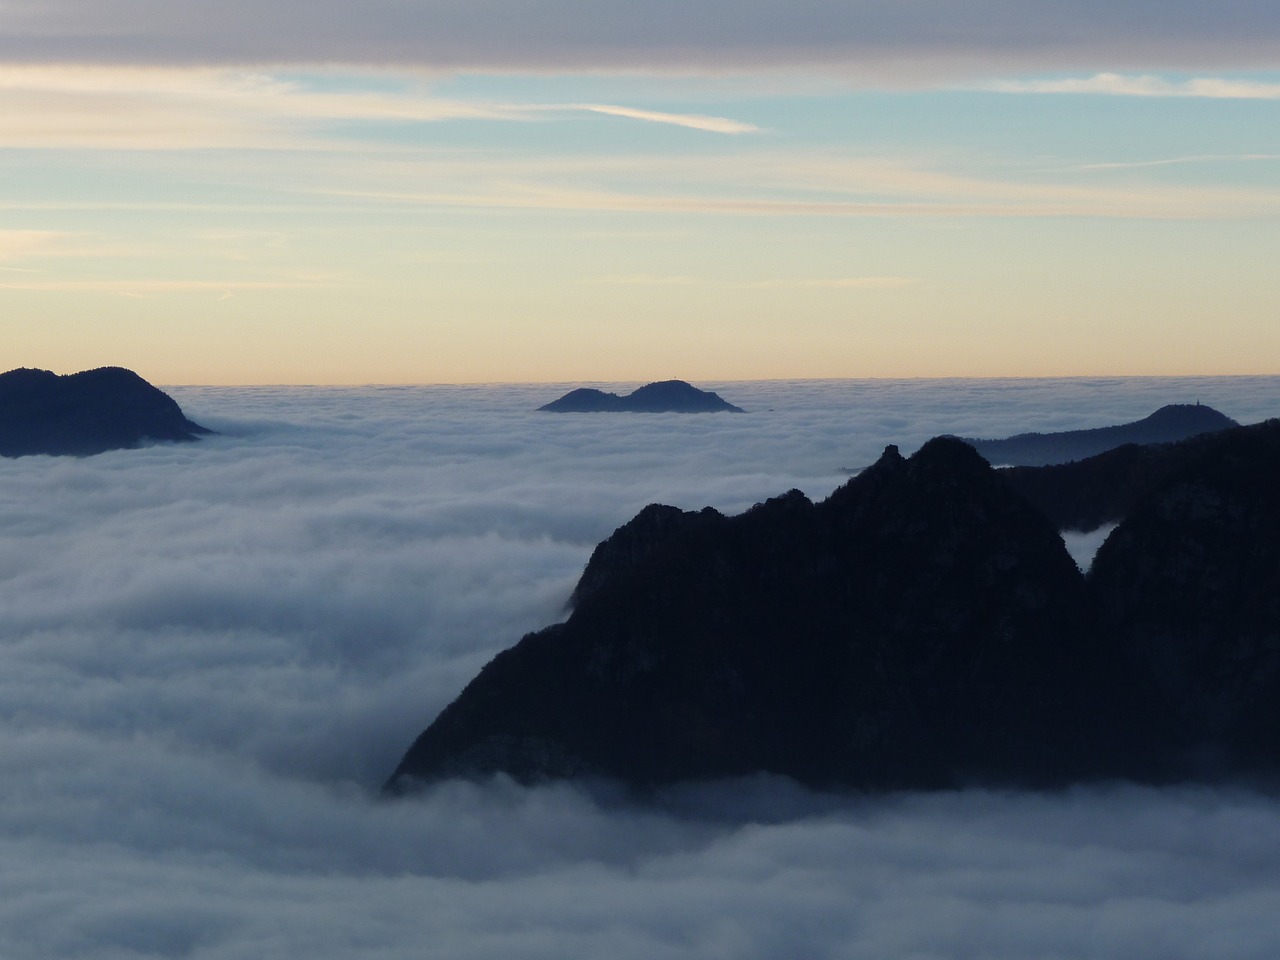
922	627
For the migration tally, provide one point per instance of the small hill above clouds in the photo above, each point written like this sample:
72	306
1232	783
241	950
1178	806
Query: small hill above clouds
1167	425
666	396
85	413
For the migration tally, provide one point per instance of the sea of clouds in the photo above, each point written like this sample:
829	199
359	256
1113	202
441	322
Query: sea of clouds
212	654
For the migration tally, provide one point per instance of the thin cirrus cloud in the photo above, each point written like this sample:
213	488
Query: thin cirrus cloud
25	243
1181	161
968	199
199	108
839	283
1120	85
171	108
692	121
33	246
646	280
143	287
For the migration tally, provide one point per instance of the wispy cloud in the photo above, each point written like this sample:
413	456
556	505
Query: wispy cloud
1121	85
24	243
196	108
148	287
1179	161
693	121
200	108
964	198
839	283
646	280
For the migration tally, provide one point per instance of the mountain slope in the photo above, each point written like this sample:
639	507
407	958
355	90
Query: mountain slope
1085	494
1166	425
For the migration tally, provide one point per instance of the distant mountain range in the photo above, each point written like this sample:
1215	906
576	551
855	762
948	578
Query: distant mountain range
81	414
922	627
1167	425
666	396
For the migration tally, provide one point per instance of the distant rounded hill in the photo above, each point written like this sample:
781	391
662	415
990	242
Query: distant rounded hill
666	396
1169	424
85	413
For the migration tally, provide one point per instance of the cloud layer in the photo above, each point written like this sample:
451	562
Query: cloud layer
869	37
210	656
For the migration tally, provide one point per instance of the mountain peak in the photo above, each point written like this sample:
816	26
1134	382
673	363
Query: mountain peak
664	396
908	631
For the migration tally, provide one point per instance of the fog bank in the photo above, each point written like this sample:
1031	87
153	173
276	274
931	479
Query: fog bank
211	655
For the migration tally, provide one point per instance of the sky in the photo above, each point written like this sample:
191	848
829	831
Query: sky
444	191
212	654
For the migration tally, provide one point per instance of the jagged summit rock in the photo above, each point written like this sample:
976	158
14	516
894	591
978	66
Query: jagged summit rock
922	627
85	413
1170	423
666	396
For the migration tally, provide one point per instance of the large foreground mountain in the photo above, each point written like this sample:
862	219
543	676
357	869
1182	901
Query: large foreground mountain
81	414
922	627
1189	587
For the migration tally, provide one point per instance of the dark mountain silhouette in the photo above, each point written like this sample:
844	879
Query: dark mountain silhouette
667	396
81	414
922	627
1168	424
1085	494
1189	585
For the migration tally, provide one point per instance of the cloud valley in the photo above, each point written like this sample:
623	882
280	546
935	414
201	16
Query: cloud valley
213	653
